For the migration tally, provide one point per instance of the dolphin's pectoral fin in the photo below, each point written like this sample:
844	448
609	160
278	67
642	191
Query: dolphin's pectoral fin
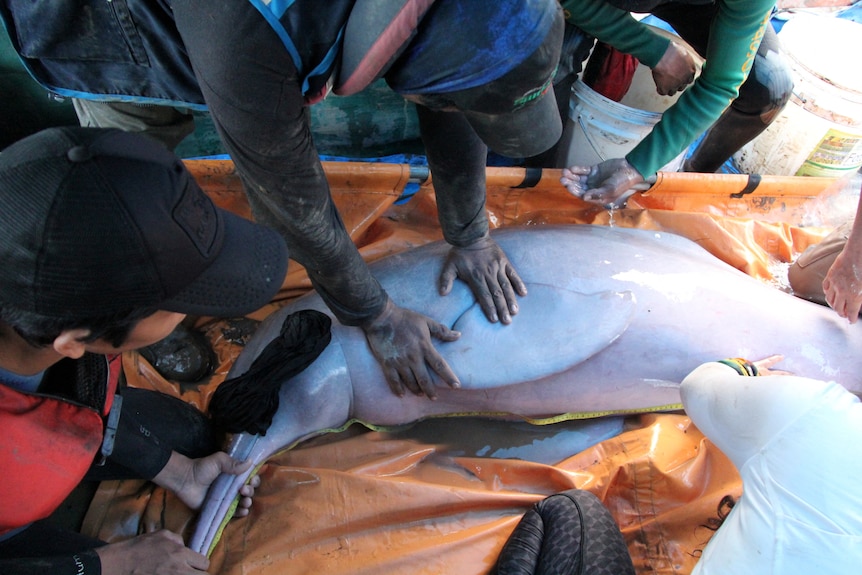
554	330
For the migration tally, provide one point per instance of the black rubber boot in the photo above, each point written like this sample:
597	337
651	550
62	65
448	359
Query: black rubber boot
729	133
184	356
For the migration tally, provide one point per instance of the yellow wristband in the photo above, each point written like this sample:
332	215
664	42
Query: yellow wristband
742	366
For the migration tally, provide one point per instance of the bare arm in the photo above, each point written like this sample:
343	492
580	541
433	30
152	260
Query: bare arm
190	479
842	285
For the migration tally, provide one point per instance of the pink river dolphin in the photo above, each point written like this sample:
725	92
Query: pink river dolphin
614	319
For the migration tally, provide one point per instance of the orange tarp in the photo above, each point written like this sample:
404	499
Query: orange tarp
376	502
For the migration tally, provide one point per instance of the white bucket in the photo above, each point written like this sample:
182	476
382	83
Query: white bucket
599	128
819	132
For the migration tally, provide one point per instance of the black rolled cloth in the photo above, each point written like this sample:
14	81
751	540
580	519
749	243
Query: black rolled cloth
248	402
569	533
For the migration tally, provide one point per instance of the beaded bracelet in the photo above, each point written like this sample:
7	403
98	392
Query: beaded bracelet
742	366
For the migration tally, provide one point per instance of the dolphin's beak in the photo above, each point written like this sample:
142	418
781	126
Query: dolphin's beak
222	497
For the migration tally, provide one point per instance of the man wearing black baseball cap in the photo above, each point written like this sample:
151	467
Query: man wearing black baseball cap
107	242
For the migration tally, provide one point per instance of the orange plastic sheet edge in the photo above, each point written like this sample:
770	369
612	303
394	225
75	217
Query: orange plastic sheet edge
373	502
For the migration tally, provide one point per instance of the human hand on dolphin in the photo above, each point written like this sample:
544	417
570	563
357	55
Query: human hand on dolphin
491	277
400	339
764	366
842	286
163	551
190	479
609	184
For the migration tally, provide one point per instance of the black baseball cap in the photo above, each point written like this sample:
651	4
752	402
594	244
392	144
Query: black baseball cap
517	114
98	221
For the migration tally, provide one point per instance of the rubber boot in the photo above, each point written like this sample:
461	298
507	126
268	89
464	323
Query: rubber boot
184	356
729	133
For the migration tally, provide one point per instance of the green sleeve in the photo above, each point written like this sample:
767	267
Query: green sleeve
734	39
617	28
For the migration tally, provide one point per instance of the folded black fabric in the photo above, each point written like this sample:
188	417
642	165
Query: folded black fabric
247	403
